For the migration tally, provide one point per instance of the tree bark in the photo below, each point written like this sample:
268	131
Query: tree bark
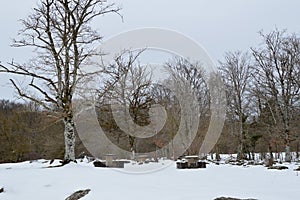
288	155
70	139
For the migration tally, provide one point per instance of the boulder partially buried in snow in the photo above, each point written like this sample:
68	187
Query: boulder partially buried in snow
278	167
78	195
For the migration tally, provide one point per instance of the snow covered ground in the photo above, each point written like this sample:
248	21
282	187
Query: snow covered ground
34	181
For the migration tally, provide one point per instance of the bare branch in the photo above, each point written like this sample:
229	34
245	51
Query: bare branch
21	94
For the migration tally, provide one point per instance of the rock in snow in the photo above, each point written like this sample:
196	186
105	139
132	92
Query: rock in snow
79	194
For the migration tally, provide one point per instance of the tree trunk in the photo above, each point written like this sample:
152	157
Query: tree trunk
288	155
69	134
269	159
240	153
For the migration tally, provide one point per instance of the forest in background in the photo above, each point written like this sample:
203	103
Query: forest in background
263	106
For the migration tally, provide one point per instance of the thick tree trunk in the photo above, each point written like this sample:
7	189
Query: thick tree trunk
240	152
288	155
69	134
269	160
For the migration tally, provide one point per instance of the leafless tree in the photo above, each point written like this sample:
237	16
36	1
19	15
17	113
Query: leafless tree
129	93
191	89
277	74
60	33
237	73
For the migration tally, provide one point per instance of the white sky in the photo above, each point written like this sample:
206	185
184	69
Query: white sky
218	25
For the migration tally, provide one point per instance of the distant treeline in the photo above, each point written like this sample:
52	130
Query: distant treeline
27	133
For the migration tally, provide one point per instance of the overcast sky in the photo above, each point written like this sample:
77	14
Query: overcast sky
218	25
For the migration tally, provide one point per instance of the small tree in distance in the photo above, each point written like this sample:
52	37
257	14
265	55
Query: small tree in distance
60	32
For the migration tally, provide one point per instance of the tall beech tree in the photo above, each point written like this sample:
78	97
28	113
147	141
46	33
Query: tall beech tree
63	40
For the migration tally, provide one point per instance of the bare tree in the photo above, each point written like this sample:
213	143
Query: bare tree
131	90
63	39
277	74
237	73
191	89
